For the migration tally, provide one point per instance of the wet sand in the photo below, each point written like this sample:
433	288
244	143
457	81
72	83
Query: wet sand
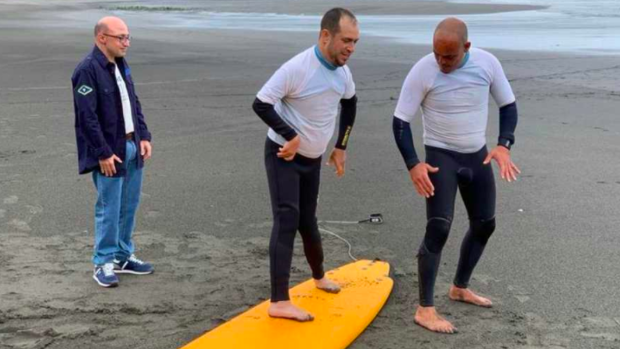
205	220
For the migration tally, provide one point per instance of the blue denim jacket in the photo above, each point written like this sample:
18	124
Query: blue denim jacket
99	123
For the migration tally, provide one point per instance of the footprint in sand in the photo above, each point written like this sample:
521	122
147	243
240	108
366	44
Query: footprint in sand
152	214
554	341
20	225
519	293
611	337
12	296
11	200
27	339
522	299
33	210
600	322
485	279
261	225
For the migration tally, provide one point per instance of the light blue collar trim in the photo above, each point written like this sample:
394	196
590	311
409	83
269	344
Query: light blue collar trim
464	61
323	61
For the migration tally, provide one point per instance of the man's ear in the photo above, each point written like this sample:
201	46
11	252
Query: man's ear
325	36
467	46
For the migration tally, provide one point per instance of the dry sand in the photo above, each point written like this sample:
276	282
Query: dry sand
551	267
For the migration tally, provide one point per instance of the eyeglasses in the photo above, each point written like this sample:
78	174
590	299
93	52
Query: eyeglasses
121	38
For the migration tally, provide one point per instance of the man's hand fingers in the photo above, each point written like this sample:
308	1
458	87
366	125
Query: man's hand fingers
339	172
430	189
108	170
488	159
420	190
339	167
426	188
502	169
432	169
513	171
148	150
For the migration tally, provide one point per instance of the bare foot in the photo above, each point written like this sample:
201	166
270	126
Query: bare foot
468	296
286	310
428	318
327	285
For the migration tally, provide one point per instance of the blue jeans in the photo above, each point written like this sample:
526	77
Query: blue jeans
115	211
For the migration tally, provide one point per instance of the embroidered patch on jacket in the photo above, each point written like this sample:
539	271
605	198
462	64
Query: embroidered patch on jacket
84	90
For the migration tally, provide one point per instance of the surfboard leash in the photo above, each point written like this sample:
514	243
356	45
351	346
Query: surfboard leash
341	238
374	218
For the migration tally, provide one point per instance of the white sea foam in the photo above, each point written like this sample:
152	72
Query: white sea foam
591	27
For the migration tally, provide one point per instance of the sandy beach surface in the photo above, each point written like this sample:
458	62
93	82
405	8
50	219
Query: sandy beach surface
551	268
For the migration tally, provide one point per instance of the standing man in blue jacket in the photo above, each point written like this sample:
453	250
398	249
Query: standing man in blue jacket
113	142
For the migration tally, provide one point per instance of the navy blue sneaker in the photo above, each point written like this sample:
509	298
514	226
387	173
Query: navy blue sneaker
132	266
104	275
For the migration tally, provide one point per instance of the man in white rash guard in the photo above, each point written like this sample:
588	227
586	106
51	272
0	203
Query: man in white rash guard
300	103
451	86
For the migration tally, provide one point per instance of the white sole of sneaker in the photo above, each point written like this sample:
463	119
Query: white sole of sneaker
118	271
114	284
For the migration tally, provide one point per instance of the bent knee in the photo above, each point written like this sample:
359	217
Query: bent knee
482	229
437	231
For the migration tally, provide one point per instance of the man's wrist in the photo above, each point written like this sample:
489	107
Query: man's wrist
412	163
505	142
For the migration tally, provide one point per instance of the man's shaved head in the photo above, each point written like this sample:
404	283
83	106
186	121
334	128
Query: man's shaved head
108	23
112	37
452	27
450	44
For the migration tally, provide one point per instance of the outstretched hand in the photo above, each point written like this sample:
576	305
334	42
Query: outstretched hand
507	169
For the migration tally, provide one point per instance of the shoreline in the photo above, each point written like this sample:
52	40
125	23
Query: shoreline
291	7
408	30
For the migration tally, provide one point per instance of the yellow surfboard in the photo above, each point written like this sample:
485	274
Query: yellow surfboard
339	318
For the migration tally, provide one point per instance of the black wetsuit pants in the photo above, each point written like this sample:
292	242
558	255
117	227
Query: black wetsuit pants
294	191
475	181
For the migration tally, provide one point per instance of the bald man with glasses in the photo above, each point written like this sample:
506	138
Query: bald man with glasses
113	142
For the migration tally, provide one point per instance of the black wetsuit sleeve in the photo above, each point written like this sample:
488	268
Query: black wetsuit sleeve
507	124
348	111
404	141
268	114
